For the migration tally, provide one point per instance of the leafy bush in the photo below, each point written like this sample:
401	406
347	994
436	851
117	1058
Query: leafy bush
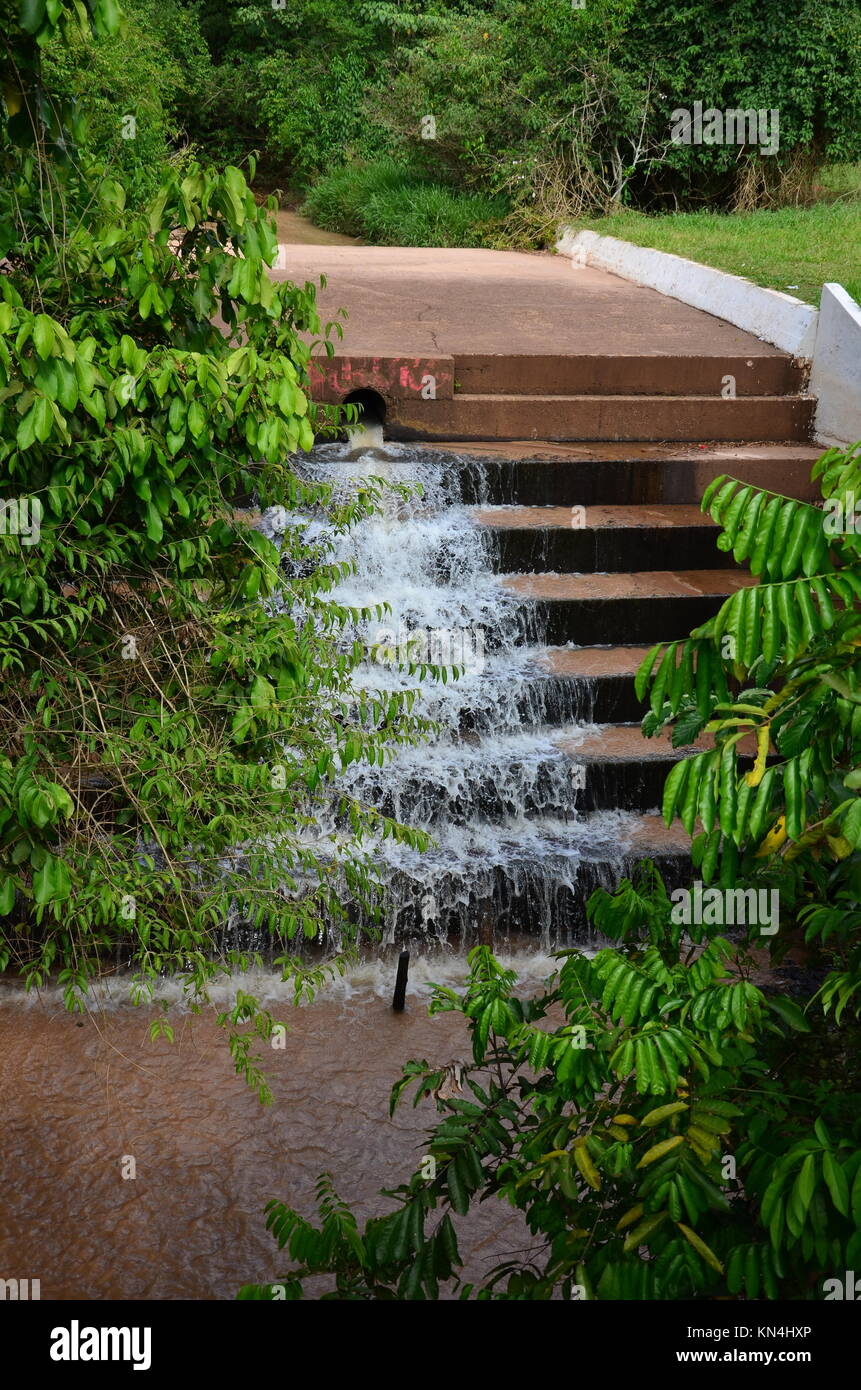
789	648
393	205
177	691
566	111
802	57
648	1139
291	82
136	86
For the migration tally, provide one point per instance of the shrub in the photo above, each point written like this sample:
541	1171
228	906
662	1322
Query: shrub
177	695
393	205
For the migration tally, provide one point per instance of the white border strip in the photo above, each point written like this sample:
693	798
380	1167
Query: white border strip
774	317
835	378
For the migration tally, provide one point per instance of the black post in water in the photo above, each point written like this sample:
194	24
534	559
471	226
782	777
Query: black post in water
401	982
485	922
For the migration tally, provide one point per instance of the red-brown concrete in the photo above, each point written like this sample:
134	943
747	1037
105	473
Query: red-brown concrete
647	835
585	662
715	456
426	302
654	584
627	374
612	518
466	344
625	743
617	417
395	378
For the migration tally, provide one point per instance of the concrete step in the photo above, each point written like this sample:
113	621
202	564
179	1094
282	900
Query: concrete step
646	606
628	374
616	768
530	877
592	684
569	685
594	417
587	539
539	774
525	473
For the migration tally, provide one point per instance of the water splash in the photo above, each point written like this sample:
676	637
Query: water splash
493	787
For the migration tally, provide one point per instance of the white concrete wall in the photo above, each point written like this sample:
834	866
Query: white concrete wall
768	314
835	377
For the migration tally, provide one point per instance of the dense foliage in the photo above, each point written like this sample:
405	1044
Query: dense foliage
390	203
549	108
779	665
169	721
679	1133
137	88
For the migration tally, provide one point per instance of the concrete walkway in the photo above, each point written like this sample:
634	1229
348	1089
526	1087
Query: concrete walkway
294	229
423	302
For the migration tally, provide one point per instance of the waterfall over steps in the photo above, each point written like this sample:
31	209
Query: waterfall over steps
513	846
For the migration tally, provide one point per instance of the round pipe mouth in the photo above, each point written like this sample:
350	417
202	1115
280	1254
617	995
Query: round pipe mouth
372	407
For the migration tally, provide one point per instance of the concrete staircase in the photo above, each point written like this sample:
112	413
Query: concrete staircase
599	411
624	575
596	397
590	473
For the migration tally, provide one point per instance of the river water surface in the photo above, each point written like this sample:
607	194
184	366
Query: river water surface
79	1100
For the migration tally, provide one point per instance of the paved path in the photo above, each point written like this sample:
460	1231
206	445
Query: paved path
295	229
416	301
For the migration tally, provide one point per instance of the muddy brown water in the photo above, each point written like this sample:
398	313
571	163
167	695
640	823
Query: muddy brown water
78	1101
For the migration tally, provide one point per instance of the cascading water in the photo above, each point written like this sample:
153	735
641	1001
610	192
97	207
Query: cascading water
512	850
493	788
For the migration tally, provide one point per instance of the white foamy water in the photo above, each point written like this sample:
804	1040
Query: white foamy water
362	980
492	787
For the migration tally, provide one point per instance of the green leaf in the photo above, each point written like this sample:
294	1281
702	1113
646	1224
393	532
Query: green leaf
804	1187
32	15
44	336
856	1199
154	528
44	419
674	788
457	1191
836	1182
789	1011
663	1112
701	1248
7	895
51	883
26	433
645	670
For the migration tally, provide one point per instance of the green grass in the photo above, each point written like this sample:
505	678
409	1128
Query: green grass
793	249
389	204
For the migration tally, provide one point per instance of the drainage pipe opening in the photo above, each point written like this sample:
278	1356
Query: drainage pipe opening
372	407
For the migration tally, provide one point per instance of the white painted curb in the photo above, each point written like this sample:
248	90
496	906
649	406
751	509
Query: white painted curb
774	317
835	378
